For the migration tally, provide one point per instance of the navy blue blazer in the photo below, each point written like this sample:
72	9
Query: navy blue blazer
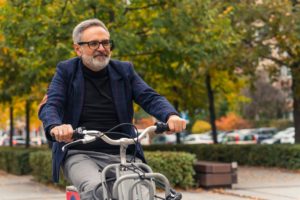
66	93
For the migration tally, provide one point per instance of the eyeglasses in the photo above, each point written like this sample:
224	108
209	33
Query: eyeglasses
107	44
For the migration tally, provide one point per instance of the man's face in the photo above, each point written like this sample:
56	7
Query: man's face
94	58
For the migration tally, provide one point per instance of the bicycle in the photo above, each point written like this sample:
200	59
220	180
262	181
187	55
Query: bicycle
133	180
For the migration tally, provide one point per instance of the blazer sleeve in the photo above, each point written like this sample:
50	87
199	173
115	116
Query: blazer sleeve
52	112
149	99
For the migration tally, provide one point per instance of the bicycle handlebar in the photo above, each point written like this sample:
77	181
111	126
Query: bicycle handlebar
82	136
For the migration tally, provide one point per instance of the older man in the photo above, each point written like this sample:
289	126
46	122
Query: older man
96	92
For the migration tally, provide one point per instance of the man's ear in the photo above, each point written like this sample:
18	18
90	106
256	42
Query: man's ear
77	49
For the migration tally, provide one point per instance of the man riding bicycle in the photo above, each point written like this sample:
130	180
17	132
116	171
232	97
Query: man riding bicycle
96	92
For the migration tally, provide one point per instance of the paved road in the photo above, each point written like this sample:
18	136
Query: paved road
254	183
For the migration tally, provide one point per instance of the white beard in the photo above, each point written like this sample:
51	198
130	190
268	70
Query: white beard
95	64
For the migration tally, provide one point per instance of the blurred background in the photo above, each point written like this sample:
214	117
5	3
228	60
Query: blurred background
231	68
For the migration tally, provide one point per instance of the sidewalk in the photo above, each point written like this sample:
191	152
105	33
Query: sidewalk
253	183
24	188
267	183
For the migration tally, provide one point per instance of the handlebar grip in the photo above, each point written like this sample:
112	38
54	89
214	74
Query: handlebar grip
78	133
161	127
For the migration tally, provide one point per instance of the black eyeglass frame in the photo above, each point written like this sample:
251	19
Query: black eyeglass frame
110	42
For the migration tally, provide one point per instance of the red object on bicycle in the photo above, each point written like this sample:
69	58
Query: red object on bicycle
72	195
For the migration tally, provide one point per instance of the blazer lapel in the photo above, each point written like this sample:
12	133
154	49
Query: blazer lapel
117	83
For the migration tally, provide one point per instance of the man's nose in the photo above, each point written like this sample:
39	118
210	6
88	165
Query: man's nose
101	47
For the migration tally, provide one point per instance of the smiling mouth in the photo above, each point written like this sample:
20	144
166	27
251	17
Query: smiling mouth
100	55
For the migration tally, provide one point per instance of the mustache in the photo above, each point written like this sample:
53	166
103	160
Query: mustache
100	54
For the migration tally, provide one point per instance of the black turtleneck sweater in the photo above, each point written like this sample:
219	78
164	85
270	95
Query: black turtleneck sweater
98	111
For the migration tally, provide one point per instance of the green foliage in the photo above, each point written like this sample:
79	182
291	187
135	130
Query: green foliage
172	44
41	164
270	32
176	166
283	156
15	160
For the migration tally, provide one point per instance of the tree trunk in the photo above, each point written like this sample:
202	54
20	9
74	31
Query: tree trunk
296	98
27	123
11	116
178	139
211	102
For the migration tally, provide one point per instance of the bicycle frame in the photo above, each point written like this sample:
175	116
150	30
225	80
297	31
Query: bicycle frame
129	184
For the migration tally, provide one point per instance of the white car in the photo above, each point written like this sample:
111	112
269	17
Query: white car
286	136
164	139
289	137
204	138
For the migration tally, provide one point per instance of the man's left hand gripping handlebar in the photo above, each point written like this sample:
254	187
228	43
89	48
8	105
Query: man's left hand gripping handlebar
176	124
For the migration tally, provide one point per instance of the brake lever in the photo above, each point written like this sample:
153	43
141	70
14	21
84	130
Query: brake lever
86	139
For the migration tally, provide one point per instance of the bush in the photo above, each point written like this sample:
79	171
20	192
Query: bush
41	164
15	160
232	121
176	166
277	155
201	126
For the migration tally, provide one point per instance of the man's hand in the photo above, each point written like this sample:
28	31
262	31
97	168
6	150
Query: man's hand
62	133
176	124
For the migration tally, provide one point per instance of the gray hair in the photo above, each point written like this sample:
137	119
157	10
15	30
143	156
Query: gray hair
77	31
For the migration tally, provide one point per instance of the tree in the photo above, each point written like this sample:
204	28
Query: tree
271	31
174	51
267	102
186	44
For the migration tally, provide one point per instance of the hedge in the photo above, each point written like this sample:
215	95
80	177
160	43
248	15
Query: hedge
178	167
15	160
277	155
175	165
41	164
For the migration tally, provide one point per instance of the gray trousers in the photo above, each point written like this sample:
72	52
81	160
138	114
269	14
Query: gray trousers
83	170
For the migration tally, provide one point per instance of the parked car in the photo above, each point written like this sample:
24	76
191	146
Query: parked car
201	138
288	139
264	133
17	140
167	138
284	136
164	139
204	138
3	135
36	141
241	136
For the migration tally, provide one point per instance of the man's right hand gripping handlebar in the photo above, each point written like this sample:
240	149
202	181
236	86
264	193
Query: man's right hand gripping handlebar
62	133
